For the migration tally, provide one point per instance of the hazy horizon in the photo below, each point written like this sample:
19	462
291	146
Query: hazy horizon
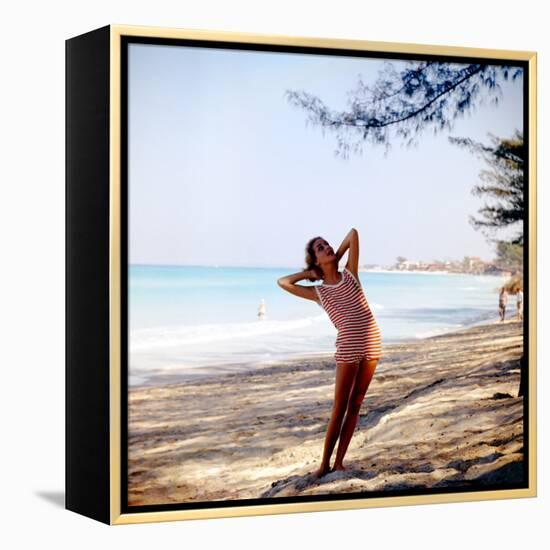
342	261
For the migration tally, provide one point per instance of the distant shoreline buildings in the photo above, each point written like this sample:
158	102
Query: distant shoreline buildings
471	265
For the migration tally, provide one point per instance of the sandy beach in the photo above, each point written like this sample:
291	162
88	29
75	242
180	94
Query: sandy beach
440	412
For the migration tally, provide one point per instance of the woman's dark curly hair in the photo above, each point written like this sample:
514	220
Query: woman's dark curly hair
311	257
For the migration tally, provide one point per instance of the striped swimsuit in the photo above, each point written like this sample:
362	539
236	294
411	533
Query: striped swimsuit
349	311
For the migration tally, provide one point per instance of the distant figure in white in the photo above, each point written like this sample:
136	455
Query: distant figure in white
519	304
502	300
261	310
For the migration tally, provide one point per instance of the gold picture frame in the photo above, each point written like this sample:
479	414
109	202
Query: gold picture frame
94	122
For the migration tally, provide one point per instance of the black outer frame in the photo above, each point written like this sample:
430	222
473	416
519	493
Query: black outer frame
87	276
87	448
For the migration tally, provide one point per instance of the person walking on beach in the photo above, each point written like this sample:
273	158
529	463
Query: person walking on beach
519	304
358	344
502	300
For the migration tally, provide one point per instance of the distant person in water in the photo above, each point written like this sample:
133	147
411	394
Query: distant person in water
358	345
261	310
519	305
502	301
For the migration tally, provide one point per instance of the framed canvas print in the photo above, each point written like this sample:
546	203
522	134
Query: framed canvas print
301	274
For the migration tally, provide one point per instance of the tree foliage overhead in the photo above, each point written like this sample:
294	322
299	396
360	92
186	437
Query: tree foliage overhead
501	184
420	96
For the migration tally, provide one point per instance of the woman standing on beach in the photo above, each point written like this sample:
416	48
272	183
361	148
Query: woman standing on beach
358	345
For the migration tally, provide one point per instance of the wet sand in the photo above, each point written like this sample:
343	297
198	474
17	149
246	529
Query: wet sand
440	412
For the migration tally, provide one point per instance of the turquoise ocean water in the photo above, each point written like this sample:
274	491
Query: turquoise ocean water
190	320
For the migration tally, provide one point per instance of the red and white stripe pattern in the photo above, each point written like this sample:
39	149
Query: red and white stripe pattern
349	311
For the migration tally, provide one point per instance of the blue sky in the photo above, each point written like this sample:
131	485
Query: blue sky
224	171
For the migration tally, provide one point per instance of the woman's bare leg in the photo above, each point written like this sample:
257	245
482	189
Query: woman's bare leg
358	391
345	375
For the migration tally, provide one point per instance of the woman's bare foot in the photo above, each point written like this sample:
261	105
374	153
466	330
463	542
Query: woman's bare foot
323	470
338	468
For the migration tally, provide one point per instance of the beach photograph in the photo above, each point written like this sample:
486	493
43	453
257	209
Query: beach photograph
325	276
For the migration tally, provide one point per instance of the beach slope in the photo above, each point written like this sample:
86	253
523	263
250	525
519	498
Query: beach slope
440	412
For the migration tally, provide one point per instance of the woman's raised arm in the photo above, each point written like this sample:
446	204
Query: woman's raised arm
352	242
288	283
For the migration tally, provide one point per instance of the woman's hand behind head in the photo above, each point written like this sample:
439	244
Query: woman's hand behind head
313	275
